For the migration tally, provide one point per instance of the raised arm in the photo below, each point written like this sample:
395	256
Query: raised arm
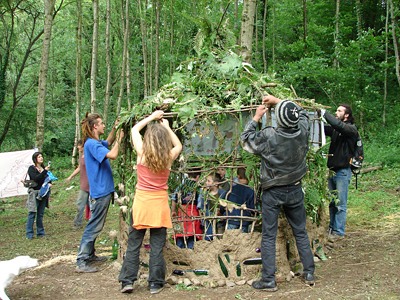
135	131
111	135
113	154
175	140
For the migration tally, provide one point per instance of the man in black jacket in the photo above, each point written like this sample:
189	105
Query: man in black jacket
283	153
343	135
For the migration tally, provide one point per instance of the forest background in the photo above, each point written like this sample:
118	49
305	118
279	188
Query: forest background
60	58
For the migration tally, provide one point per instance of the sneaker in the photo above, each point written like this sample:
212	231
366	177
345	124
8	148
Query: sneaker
45	235
85	268
127	288
75	227
29	237
265	286
308	278
333	237
96	258
155	288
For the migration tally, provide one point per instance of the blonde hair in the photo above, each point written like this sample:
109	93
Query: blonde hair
87	126
157	145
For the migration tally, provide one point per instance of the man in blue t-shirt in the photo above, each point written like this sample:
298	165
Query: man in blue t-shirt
101	185
240	195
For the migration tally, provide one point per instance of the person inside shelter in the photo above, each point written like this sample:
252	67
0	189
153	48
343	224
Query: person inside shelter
239	195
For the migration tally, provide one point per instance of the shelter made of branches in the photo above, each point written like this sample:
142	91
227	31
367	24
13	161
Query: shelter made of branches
208	102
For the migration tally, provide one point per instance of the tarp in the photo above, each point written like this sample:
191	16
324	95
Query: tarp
14	166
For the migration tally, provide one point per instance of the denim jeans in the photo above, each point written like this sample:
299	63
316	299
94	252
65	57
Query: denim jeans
290	197
157	265
245	228
338	184
40	205
98	208
180	242
83	199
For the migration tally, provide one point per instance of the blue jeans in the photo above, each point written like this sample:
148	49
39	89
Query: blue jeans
338	184
157	265
40	205
83	199
98	208
290	197
245	228
180	242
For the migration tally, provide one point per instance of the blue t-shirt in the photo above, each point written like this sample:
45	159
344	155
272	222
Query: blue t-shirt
240	194
101	182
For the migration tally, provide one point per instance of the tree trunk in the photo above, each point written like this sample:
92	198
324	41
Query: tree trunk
395	42
171	42
386	61
108	63
305	24
273	39
359	18
235	8
128	75
256	34
78	72
335	60
157	58
93	72
123	73
246	36
144	47
264	36
44	66
150	67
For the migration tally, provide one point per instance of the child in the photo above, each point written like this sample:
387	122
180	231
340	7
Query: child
210	201
188	195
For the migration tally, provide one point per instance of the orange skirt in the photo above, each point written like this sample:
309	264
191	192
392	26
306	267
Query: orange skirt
151	210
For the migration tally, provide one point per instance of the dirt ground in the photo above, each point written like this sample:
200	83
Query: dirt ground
364	265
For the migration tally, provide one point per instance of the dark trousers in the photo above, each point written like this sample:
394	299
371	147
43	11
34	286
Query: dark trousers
157	265
290	197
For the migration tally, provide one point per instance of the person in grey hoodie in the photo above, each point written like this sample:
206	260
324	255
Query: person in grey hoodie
283	153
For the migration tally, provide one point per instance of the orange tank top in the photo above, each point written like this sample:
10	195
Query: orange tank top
148	181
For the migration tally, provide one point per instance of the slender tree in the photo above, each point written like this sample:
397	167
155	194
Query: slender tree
108	62
95	45
143	29
336	36
305	24
246	36
395	42
171	41
44	66
124	58
385	83
32	37
157	58
264	36
78	74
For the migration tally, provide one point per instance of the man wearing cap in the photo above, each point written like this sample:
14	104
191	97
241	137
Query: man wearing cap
283	153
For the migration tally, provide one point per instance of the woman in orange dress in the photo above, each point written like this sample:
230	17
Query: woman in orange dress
155	154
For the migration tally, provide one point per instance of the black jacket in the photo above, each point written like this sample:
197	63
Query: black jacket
36	176
283	151
343	142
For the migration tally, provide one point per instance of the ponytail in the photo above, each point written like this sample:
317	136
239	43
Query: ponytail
87	126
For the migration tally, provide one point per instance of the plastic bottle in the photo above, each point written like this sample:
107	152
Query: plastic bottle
115	248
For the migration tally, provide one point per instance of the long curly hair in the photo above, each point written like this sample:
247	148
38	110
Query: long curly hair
157	145
87	126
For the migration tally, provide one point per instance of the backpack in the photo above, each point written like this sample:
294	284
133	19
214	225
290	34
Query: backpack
357	160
